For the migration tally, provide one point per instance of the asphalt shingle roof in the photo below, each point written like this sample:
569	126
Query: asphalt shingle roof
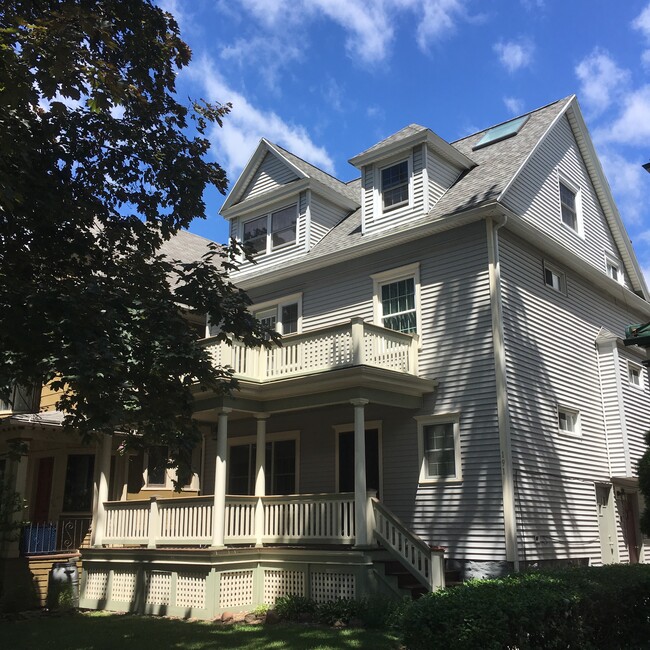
496	166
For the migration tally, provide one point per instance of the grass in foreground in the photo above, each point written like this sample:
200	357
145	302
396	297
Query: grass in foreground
102	631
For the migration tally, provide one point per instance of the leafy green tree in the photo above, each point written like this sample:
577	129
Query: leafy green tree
100	165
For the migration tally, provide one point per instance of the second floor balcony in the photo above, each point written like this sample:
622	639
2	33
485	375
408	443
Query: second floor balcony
354	343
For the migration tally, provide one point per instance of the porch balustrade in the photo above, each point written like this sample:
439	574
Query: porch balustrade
188	521
339	346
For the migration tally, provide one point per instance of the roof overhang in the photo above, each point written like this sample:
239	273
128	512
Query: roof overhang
377	385
440	146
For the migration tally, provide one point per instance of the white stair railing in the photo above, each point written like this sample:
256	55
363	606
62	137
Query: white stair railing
423	562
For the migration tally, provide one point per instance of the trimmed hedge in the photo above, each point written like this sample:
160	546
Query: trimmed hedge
585	608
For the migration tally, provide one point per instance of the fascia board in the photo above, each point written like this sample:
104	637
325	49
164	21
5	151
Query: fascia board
254	278
261	201
439	145
276	195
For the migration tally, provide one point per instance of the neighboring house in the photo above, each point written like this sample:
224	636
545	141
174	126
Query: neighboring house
452	342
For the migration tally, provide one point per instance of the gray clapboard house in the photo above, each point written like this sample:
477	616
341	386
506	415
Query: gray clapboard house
452	385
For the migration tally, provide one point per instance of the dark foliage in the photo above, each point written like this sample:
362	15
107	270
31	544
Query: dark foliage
100	165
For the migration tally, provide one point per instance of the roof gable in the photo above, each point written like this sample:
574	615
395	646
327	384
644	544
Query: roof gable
571	121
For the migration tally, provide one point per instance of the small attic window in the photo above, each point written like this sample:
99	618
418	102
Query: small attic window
501	132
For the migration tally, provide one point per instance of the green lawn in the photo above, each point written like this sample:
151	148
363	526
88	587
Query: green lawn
122	632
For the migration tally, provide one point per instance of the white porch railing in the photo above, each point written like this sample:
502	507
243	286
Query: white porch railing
188	521
425	563
339	346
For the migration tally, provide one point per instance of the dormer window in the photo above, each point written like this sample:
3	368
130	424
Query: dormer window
271	231
395	185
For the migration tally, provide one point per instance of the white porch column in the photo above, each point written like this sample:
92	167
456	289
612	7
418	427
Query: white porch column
219	507
260	475
360	496
104	471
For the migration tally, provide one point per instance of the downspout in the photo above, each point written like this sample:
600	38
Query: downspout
503	411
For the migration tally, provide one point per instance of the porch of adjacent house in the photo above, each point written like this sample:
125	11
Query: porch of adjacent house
198	556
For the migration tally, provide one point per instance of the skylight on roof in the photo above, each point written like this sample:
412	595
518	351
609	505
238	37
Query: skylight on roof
501	132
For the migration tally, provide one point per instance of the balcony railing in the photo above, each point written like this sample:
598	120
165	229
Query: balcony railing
339	346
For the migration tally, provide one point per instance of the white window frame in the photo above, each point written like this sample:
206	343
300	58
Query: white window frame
269	232
170	475
443	418
379	195
635	369
389	277
575	189
612	263
561	276
281	436
574	415
269	305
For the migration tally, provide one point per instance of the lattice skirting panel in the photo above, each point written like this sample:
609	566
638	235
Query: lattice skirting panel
328	585
191	590
159	584
282	582
236	589
123	586
96	584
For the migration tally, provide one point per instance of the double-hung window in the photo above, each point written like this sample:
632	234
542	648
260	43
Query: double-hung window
272	231
439	448
284	316
397	298
570	206
395	185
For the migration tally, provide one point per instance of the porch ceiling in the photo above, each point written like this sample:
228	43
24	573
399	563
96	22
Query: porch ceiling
377	385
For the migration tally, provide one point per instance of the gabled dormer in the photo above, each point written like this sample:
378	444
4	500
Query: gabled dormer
403	176
282	206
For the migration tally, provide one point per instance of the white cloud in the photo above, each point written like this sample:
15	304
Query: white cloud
533	4
632	126
268	53
514	105
438	20
627	180
601	80
515	55
642	22
645	58
368	24
246	124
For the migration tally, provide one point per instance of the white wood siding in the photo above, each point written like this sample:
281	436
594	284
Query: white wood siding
271	173
551	356
324	216
466	517
441	175
636	401
535	196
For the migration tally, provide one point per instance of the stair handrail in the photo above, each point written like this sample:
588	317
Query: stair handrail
424	562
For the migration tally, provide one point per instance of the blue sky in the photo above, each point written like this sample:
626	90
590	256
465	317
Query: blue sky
328	78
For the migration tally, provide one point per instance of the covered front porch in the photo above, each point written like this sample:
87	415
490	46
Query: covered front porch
278	528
